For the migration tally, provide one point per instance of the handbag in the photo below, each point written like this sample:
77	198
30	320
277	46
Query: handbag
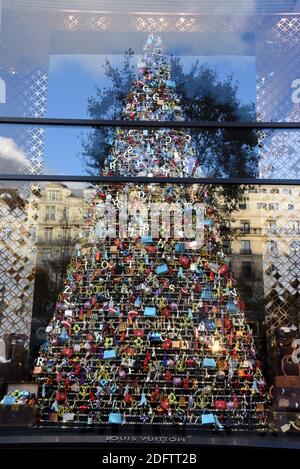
109	354
138	301
146	239
63	337
177	381
150	311
209	363
68	417
151	249
210	325
68	352
8	400
61	396
231	307
37	370
190	362
75	387
220	404
138	332
179	248
207	222
53	417
170	84
206	295
115	417
154	336
182	401
184	261
260	407
162	269
208	419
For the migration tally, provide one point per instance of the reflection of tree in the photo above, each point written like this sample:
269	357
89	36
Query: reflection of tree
48	283
108	104
204	96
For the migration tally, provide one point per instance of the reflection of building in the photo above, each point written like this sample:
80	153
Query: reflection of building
265	252
61	217
245	249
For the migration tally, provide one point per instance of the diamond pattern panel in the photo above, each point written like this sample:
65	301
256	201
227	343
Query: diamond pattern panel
18	216
279	153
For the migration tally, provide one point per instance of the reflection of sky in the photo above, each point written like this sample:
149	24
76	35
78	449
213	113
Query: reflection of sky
73	78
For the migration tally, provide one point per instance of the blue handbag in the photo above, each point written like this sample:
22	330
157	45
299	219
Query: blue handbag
115	417
207	222
8	400
171	84
138	301
210	325
154	336
179	248
150	311
162	269
209	363
231	307
208	419
206	295
63	337
109	354
146	239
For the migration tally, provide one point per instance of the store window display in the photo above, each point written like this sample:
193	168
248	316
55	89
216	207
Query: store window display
143	310
150	329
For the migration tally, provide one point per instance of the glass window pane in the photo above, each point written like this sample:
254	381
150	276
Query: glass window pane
109	238
147	152
226	62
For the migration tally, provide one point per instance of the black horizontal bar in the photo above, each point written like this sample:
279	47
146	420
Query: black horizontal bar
146	180
143	124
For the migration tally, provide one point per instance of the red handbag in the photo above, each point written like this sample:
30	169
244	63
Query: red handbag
165	312
220	404
185	383
61	396
168	376
223	269
167	344
190	362
184	261
152	249
68	352
128	398
98	256
164	403
138	332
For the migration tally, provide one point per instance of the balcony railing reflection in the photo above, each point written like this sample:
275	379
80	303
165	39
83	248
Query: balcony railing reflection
245	252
